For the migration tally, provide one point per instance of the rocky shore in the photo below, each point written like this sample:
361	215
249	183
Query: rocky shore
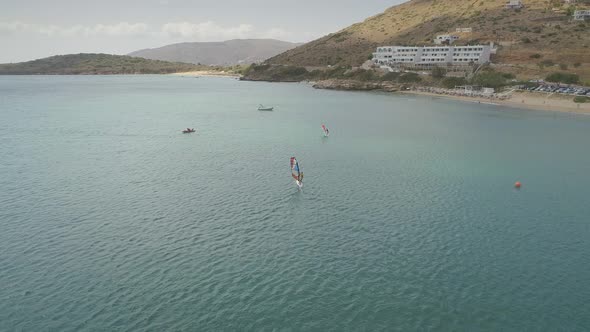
353	85
266	79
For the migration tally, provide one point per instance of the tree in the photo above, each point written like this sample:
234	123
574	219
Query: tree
490	79
409	78
561	77
451	82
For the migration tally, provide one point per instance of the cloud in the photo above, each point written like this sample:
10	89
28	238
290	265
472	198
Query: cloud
112	30
12	27
211	31
172	31
119	29
276	33
207	31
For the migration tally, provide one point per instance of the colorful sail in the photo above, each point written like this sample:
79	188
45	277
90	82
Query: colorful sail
296	171
326	131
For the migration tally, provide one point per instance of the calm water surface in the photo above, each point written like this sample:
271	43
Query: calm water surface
111	219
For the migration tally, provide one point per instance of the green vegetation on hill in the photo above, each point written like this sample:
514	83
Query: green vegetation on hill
563	78
491	79
100	64
486	77
544	29
280	73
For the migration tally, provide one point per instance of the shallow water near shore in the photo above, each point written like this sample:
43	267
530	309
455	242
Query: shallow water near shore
112	219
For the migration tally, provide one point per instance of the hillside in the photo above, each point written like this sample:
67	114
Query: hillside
541	32
227	53
75	64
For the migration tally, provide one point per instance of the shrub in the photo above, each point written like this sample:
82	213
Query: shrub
392	76
562	66
570	10
451	82
528	84
526	40
581	99
563	78
439	72
409	78
577	64
337	72
490	79
293	71
508	76
536	56
362	75
547	63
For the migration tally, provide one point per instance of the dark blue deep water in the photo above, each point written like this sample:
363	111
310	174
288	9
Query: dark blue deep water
112	220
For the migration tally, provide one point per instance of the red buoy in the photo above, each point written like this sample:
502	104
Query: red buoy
517	185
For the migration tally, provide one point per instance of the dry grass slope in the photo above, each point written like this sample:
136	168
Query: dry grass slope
525	37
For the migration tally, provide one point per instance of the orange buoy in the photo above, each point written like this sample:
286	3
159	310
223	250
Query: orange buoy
517	185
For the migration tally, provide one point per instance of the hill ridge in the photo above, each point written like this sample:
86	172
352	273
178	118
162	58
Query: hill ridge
93	63
541	30
224	53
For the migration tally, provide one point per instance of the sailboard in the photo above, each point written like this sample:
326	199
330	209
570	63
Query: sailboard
326	131
296	172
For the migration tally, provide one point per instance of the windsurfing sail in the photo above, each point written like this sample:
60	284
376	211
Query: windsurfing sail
296	171
326	131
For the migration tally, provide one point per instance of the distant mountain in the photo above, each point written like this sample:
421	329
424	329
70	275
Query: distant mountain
231	52
99	64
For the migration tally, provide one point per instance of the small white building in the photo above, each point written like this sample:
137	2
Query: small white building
582	15
464	30
514	4
445	39
433	55
487	91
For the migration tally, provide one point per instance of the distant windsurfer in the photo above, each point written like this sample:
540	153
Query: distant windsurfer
296	172
326	131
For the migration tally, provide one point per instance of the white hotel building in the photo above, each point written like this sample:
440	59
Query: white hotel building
432	55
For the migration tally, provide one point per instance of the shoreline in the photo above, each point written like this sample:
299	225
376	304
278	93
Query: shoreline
513	99
206	73
521	100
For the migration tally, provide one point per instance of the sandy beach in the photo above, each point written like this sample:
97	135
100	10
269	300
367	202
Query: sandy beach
202	73
528	100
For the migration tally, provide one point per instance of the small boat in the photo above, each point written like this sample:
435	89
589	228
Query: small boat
188	130
263	108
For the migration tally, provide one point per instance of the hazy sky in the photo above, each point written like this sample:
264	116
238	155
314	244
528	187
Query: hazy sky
31	29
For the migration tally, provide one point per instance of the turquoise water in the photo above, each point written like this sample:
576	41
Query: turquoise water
111	219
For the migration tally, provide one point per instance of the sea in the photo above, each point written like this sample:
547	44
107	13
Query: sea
111	219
